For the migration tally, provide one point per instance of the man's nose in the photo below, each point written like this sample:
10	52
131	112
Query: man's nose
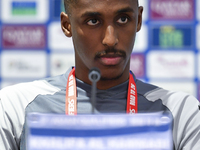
110	38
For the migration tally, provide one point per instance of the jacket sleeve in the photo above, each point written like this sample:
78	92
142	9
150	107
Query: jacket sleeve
9	122
186	132
13	103
186	117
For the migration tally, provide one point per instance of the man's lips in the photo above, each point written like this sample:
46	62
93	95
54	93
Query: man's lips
110	61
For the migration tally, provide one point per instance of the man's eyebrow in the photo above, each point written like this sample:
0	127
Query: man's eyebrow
128	9
90	14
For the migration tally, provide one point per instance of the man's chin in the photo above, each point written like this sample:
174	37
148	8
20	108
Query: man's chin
106	78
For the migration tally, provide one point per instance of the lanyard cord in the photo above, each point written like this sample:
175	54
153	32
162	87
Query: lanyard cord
71	99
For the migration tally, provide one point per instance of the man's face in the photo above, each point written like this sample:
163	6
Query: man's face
103	33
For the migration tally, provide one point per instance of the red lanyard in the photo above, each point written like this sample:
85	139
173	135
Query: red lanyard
71	100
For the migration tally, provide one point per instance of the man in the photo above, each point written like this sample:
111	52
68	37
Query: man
103	33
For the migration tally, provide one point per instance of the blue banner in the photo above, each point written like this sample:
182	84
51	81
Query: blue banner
100	132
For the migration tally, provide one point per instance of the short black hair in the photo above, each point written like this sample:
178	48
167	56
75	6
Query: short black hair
69	3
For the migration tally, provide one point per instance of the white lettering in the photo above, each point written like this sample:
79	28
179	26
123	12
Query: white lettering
71	105
71	77
71	91
132	100
71	83
132	86
132	111
172	8
24	35
132	91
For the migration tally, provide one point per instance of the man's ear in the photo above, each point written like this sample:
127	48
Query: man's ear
139	25
65	24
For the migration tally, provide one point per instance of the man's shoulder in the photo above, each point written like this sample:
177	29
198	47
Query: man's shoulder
27	90
174	100
169	98
143	88
151	90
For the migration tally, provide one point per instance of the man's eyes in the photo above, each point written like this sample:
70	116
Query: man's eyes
93	22
121	20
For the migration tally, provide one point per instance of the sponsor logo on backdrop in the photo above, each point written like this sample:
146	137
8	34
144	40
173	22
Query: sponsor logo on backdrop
23	8
23	64
172	9
176	37
24	11
24	37
188	87
137	65
141	41
57	39
61	62
169	64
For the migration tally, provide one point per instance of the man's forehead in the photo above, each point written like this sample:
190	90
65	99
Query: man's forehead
79	6
106	3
